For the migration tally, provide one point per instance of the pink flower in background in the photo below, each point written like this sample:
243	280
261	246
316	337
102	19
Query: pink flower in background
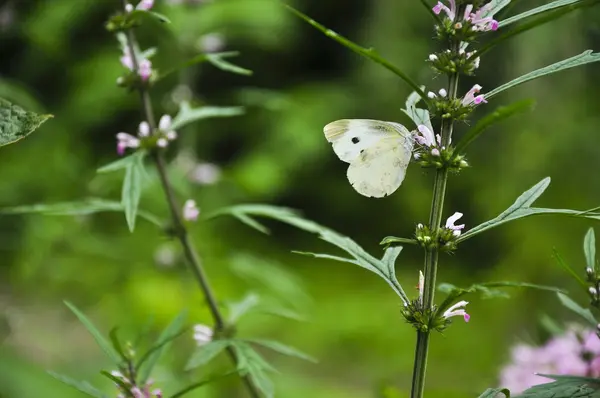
142	5
190	210
575	353
144	65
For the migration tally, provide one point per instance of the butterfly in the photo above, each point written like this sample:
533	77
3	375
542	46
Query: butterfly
378	153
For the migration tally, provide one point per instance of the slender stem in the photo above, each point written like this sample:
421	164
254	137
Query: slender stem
179	227
431	256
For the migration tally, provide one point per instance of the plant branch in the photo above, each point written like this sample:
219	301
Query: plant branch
179	227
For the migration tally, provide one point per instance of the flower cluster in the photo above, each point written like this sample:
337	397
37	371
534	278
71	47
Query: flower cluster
463	61
144	66
457	108
133	390
466	25
146	138
575	353
430	152
443	238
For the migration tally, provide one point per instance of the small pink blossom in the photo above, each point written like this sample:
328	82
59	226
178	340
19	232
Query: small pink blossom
125	141
457	310
426	137
482	19
473	96
435	152
190	210
145	5
144	65
450	12
456	229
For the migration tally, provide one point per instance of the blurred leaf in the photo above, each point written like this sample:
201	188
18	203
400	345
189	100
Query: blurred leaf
202	383
119	164
569	269
18	94
85	207
173	330
429	8
366	52
132	188
551	326
500	114
82	386
283	349
494	7
100	340
585	313
585	57
219	61
136	14
417	115
123	386
252	364
360	256
521	208
493	393
206	353
16	123
282	312
240	308
546	7
589	248
188	115
392	240
564	387
116	344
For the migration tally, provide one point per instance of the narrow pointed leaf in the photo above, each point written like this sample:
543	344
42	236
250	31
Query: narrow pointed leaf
365	52
132	189
118	381
16	123
219	61
202	383
82	386
494	7
393	240
116	343
137	14
569	269
283	349
100	340
206	353
241	308
493	393
546	7
500	114
118	164
172	330
585	313
551	326
584	58
589	249
188	115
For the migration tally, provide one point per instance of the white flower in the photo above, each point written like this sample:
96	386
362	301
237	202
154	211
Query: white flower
433	57
211	42
457	310
202	334
190	210
125	141
205	173
455	228
426	137
164	126
421	286
144	129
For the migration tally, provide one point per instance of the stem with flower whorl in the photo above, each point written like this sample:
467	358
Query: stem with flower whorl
179	226
431	255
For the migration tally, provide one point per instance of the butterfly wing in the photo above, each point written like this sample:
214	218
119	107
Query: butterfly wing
380	170
378	153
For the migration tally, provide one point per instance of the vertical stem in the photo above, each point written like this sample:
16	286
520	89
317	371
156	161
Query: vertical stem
431	256
179	226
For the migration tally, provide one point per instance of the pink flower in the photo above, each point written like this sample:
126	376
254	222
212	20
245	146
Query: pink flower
450	12
455	228
145	5
426	137
457	310
482	19
472	96
190	210
125	141
144	65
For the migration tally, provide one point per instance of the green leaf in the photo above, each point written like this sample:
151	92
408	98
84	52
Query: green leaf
584	58
116	344
153	15
569	269
494	7
551	326
16	123
202	383
546	7
585	313
500	114
282	312
132	188
84	207
118	164
365	52
283	349
522	208
359	256
219	61
493	393
100	340
240	308
173	330
589	248
118	381
206	353
82	386
188	115
393	240
417	115
250	363
564	387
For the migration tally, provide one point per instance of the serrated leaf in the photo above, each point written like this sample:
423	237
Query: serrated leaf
365	52
359	256
585	313
240	308
16	123
100	340
206	353
219	61
500	114
82	386
569	269
417	115
564	387
585	57
187	114
546	7
589	249
252	364
493	393
132	188
202	383
147	362
283	349
85	207
522	208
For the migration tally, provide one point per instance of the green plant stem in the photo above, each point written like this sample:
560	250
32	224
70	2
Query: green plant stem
179	227
431	256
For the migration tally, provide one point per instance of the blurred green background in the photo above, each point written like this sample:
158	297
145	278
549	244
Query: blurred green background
56	57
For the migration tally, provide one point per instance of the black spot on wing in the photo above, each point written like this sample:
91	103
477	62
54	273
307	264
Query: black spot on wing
355	140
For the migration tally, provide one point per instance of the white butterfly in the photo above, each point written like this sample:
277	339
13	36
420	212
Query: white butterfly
378	153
